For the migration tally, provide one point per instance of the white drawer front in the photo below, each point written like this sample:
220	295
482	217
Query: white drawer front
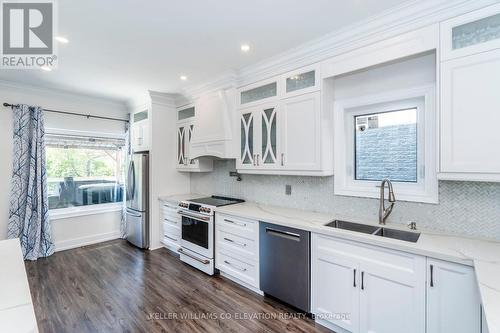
170	243
235	244
245	270
171	231
169	205
170	214
237	225
174	222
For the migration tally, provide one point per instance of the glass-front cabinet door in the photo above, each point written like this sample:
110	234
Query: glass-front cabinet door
192	162
259	137
268	152
247	155
471	33
301	81
181	145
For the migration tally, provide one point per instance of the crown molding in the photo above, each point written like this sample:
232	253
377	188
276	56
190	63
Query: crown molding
77	97
160	98
409	16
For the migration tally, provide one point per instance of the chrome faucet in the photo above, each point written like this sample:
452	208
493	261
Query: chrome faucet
383	213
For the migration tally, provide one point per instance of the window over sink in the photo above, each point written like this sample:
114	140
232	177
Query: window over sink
386	146
389	135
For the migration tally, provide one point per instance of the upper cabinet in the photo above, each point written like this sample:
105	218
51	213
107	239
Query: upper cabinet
302	81
283	128
140	131
472	33
184	135
259	138
470	77
258	92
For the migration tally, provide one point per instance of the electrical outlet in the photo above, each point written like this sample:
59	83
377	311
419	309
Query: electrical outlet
288	189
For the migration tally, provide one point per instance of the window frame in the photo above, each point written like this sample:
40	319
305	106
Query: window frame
69	212
426	187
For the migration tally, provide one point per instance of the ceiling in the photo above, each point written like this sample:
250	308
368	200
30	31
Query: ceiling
120	48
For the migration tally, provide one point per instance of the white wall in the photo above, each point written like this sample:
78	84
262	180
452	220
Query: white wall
69	230
409	73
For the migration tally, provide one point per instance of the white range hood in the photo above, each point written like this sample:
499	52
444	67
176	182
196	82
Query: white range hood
213	125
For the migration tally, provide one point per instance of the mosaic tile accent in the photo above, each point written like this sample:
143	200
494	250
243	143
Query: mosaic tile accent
466	208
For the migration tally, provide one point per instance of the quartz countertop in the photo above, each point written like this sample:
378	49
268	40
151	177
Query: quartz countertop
483	254
16	307
176	198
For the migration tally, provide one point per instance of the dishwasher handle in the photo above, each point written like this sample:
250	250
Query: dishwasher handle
283	234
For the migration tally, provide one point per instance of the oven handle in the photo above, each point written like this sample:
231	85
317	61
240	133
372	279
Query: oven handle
203	261
194	216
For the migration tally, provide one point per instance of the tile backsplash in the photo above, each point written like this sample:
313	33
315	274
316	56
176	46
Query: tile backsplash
465	208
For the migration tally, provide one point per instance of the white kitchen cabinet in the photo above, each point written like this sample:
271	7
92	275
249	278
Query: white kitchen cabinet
237	249
140	131
259	92
300	118
335	277
283	127
471	33
184	134
361	288
301	81
453	303
469	117
392	296
259	137
289	137
171	226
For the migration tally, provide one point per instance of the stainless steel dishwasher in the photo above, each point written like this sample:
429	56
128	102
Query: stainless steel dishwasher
285	264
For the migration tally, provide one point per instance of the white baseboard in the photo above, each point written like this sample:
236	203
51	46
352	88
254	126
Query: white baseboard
88	240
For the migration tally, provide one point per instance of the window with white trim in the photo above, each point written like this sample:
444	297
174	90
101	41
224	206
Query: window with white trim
84	170
390	135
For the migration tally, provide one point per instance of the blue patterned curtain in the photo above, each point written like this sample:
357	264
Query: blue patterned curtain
127	151
29	209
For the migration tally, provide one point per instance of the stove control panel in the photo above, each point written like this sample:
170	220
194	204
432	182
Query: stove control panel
205	210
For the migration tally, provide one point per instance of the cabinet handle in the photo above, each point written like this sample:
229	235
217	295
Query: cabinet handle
282	159
236	243
362	280
240	224
258	159
354	278
171	238
240	268
254	159
432	275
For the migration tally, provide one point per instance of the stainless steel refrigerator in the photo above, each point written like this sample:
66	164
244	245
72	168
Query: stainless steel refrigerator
138	200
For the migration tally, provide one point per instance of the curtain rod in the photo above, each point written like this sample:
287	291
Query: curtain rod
88	116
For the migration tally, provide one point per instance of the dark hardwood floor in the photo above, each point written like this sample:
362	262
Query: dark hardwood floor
114	287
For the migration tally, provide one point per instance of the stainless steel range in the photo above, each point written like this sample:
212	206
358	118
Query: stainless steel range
197	234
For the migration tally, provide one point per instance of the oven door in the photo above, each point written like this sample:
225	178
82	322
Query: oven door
197	233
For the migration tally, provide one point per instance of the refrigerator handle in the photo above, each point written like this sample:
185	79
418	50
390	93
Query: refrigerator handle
131	181
132	213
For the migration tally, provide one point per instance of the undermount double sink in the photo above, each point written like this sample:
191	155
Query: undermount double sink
374	230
